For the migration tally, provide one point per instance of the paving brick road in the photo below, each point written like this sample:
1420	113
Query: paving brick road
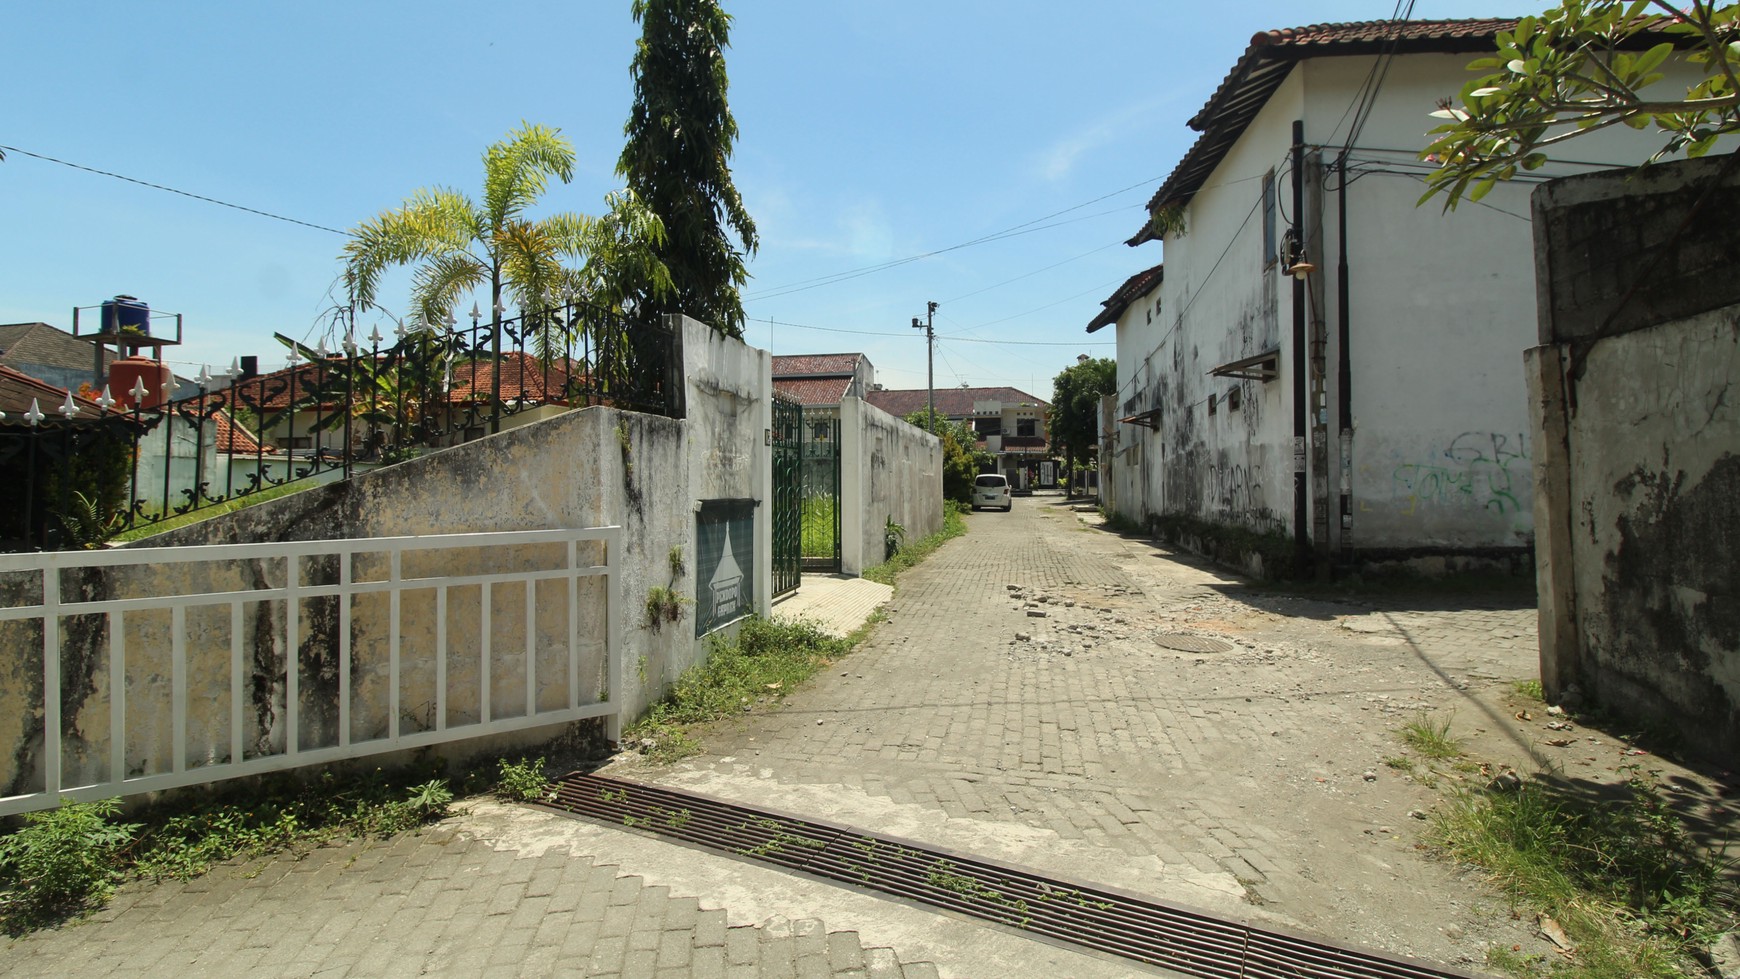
1026	701
469	897
1043	693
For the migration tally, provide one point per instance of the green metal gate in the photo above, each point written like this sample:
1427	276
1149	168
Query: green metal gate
788	473
821	489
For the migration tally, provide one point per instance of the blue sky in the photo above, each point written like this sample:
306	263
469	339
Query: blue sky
870	134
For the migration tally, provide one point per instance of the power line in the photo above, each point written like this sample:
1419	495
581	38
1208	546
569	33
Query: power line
1027	275
770	321
1024	227
172	190
836	278
1085	292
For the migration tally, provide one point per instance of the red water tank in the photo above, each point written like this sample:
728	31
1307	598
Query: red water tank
125	372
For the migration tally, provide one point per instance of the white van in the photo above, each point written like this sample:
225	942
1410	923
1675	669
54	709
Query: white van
992	490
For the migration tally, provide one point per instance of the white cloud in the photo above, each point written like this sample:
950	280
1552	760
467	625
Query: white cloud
1058	159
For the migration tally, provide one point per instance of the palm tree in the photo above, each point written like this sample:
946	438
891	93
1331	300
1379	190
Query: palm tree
459	245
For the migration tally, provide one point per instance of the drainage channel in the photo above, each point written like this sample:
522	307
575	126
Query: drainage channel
1097	918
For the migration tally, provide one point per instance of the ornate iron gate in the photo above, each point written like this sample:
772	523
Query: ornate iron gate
788	474
821	489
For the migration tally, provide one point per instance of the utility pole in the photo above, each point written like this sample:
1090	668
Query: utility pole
929	328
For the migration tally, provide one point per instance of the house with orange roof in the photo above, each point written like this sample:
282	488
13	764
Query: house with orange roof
1009	423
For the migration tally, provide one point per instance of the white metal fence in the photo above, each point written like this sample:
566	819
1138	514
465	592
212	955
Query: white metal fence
298	613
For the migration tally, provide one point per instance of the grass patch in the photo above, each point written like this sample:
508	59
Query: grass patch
173	521
63	862
817	518
910	554
1530	690
1636	896
1431	737
764	662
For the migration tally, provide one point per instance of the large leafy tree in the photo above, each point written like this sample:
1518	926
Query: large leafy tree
677	159
1075	405
1582	67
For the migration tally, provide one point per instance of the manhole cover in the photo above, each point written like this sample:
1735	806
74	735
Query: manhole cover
1192	644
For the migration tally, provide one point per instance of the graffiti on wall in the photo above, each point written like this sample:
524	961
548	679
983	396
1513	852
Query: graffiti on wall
1489	470
1237	488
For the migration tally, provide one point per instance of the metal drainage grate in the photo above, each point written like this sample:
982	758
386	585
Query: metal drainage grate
1186	643
1097	918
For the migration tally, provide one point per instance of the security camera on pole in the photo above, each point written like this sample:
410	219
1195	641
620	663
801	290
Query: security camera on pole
929	328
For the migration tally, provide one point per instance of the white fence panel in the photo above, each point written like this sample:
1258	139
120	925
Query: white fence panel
591	553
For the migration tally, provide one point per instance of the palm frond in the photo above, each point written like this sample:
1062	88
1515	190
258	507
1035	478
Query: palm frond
518	168
440	281
431	223
569	234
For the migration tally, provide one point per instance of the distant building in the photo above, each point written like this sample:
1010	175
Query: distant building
1009	423
817	380
49	353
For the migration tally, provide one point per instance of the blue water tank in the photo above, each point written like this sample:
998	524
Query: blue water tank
123	312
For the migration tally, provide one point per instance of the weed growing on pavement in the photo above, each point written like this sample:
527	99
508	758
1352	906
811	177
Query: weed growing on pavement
1530	689
1431	737
942	877
1634	894
953	526
64	861
522	781
765	661
60	863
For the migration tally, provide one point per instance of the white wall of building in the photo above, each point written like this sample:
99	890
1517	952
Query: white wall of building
1441	307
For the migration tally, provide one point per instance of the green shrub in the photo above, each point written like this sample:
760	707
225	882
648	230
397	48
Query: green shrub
522	781
62	862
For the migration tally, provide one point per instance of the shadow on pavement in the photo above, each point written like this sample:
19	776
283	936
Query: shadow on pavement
1323	601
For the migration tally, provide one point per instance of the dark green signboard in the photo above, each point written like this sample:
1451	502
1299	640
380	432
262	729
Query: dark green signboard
725	566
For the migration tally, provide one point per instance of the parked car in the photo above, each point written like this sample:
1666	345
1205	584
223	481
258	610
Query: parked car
992	490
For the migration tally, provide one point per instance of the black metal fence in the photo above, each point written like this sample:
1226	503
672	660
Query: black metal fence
99	465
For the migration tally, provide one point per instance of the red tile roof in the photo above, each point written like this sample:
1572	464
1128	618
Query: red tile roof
225	432
815	365
1121	297
236	440
950	402
273	391
814	391
18	390
522	376
1265	65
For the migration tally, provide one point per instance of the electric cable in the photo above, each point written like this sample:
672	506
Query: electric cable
183	193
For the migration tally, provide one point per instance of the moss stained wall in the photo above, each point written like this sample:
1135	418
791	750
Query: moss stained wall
1637	404
591	467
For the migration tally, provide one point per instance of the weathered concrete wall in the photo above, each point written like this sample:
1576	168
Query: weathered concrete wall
585	468
1635	409
889	470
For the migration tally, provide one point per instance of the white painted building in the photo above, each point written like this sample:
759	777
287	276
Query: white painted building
1231	371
